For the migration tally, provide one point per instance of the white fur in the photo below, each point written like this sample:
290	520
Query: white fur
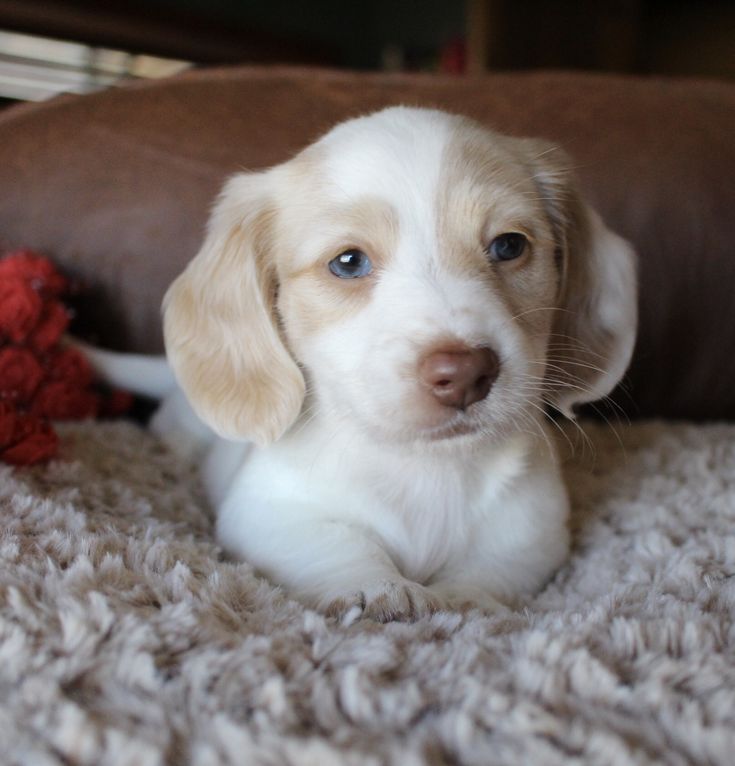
369	502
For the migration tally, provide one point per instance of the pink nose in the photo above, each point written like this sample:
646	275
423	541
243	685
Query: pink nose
459	376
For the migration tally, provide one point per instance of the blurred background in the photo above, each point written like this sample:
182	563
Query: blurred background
54	46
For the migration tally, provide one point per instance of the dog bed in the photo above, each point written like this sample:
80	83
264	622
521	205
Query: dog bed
127	638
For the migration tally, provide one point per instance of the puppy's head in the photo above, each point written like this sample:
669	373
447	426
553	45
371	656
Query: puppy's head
418	274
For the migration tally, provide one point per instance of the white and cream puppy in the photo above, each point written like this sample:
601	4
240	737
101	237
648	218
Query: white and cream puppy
375	328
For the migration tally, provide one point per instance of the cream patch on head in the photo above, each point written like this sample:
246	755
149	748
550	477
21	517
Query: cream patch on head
487	190
311	297
368	184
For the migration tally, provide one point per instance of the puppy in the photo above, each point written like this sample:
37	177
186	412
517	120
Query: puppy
376	328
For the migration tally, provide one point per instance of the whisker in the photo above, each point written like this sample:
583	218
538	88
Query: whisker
538	308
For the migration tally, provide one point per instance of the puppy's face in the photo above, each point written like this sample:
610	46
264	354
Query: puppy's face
406	254
422	275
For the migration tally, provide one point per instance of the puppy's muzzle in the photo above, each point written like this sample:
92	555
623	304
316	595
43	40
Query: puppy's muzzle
459	376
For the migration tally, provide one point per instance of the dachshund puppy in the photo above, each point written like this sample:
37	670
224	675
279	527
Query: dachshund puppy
380	324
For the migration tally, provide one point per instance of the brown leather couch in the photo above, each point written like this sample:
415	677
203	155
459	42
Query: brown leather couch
116	186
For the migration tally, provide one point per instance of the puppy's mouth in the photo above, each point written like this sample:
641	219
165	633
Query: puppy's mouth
457	427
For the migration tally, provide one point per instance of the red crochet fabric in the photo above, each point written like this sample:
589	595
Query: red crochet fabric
40	379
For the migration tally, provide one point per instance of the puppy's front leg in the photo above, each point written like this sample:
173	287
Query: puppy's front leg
336	566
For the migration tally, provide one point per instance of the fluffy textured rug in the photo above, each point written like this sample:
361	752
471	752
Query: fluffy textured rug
125	638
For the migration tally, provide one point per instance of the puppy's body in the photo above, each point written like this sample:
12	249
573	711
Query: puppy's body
341	520
386	317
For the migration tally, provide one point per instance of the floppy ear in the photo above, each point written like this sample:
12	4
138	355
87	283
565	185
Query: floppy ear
594	331
220	323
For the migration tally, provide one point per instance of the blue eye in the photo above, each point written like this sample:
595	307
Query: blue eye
506	247
350	265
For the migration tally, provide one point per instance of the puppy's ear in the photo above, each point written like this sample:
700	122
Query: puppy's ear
220	324
594	330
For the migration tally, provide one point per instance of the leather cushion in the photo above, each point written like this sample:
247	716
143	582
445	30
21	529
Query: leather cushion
117	186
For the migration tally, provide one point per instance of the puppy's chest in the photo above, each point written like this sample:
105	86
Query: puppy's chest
424	517
428	512
426	509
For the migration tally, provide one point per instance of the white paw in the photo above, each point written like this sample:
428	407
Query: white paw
383	601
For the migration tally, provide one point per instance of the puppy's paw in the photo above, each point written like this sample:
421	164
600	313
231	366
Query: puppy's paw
385	601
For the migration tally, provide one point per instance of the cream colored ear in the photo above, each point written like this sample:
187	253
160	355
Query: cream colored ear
594	331
220	324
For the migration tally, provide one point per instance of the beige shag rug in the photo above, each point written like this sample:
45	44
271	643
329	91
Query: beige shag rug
125	638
